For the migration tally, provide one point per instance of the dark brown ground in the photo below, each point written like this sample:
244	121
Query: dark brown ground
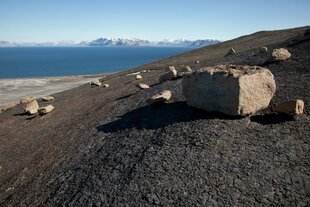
107	147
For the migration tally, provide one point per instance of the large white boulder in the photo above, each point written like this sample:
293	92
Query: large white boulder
281	54
233	90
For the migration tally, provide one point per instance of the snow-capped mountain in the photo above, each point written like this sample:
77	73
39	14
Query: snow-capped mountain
104	42
114	42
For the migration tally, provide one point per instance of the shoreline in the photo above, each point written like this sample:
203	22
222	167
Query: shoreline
13	89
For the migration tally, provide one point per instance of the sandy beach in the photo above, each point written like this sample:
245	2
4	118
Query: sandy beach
11	90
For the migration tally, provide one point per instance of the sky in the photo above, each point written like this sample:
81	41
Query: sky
56	20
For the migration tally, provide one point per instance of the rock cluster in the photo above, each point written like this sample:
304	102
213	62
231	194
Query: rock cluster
230	89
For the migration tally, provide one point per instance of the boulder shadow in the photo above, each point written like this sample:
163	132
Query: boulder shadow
273	118
159	116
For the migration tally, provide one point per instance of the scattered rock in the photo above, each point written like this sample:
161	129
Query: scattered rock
106	85
307	32
8	106
45	109
232	51
160	97
27	99
48	98
184	70
138	77
142	86
95	83
291	107
197	61
280	54
144	71
171	74
31	107
263	49
233	90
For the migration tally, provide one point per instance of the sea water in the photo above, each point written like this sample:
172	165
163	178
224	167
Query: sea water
23	62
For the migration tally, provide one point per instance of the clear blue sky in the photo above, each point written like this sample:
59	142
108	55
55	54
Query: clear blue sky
54	20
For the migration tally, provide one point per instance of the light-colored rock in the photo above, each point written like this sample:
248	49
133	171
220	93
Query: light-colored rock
8	106
232	51
45	109
197	61
31	107
138	77
281	54
183	70
263	49
233	90
48	98
142	86
95	83
144	71
106	85
171	74
160	97
291	107
27	99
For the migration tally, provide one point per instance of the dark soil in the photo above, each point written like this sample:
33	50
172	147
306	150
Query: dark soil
107	147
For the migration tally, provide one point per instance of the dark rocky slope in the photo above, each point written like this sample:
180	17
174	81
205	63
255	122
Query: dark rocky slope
107	147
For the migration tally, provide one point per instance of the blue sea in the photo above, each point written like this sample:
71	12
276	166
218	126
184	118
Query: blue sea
64	61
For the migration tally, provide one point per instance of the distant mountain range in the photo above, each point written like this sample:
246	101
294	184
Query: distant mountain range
115	42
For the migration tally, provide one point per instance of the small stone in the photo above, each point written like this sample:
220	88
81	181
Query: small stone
138	77
171	74
46	109
291	107
160	97
8	106
95	83
263	49
232	51
27	99
48	98
281	54
31	107
197	61
144	71
106	85
142	86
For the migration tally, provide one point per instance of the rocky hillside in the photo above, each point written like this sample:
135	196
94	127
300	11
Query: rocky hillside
107	146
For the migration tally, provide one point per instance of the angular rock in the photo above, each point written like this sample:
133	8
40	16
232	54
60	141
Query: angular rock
45	109
48	98
106	85
280	54
232	51
8	106
142	86
291	107
233	90
27	99
95	83
31	107
160	97
171	74
263	49
138	77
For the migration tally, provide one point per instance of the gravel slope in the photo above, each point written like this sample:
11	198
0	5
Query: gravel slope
107	147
